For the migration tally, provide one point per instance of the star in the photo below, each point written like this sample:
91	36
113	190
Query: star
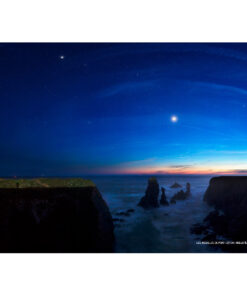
174	118
61	57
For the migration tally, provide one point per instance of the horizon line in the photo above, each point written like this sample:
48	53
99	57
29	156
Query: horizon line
118	174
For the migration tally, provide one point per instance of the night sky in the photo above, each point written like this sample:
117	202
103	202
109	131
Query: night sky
81	109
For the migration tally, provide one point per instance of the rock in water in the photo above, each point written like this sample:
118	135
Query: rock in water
131	211
150	200
54	215
176	185
187	189
181	195
123	214
163	200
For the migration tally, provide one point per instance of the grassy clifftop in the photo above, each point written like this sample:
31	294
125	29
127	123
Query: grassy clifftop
45	183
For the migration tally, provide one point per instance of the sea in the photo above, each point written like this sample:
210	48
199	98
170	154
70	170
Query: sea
161	230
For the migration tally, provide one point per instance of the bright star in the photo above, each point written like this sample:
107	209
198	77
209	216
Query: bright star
174	118
61	57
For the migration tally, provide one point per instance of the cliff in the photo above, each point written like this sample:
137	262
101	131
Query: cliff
229	195
53	215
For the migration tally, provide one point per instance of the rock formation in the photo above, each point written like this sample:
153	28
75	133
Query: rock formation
176	185
123	213
150	200
130	210
228	195
181	195
46	215
187	192
163	200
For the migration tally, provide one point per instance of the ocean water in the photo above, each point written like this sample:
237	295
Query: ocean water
165	229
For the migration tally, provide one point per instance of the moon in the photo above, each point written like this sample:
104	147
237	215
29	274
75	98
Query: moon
174	118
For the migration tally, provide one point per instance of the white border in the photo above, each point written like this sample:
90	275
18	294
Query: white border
123	20
116	274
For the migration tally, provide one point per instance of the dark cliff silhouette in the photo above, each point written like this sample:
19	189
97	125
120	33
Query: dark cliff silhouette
228	196
50	219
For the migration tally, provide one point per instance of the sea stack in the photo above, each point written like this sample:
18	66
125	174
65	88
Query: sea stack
181	195
163	200
150	200
187	192
176	185
54	215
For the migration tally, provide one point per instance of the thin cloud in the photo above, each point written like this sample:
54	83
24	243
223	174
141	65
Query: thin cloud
221	87
239	171
185	166
125	87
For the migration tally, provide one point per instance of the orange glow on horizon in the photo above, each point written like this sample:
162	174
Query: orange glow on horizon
169	171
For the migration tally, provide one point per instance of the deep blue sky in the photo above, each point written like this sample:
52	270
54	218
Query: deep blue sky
106	108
